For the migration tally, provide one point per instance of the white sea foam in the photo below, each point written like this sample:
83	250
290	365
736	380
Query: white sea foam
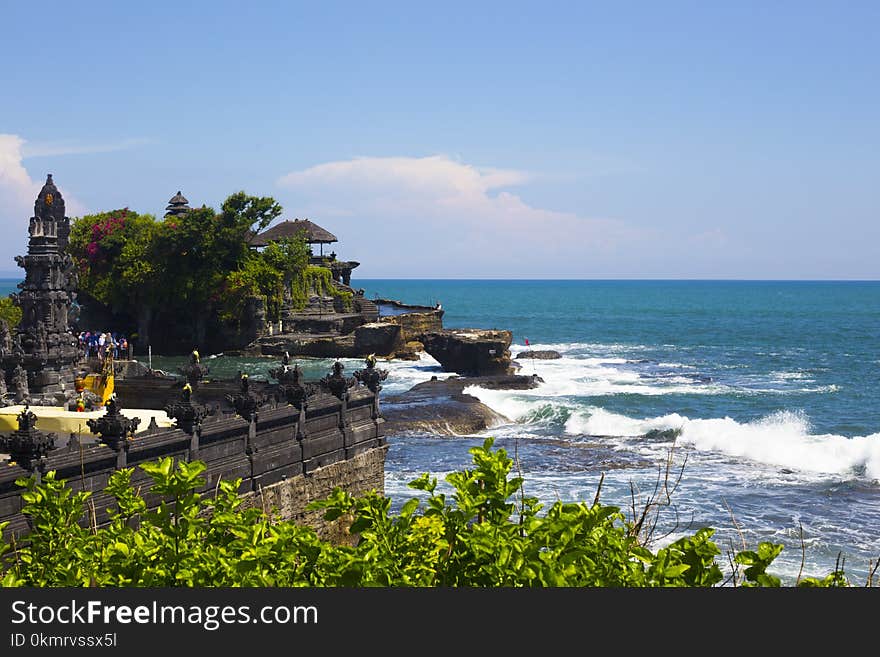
583	372
515	407
404	374
790	376
579	348
598	383
596	421
781	439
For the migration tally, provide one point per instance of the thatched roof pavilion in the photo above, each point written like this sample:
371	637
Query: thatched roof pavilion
177	205
314	234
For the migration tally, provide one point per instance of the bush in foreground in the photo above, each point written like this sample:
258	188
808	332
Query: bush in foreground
487	533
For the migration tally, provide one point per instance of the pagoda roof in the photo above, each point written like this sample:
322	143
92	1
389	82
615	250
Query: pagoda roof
314	234
177	199
177	205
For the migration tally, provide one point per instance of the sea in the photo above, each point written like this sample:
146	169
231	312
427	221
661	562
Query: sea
751	407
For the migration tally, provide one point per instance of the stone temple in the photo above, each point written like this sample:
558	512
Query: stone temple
40	355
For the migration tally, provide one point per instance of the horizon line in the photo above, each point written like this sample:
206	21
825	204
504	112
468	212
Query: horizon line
6	276
618	278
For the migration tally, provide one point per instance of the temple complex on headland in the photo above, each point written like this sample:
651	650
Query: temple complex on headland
330	318
287	441
324	313
336	322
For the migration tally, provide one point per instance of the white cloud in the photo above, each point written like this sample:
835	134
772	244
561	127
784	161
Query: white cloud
18	191
16	186
434	178
438	217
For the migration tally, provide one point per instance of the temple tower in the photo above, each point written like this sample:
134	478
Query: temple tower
177	206
43	344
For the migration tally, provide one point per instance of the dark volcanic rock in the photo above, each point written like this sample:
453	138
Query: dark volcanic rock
415	324
410	351
470	352
547	354
307	344
378	338
125	369
440	407
500	382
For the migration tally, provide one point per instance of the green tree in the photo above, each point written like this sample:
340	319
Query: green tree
175	269
200	248
116	257
9	312
290	257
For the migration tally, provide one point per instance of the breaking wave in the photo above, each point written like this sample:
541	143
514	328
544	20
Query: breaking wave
781	439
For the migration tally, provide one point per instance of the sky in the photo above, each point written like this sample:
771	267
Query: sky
713	140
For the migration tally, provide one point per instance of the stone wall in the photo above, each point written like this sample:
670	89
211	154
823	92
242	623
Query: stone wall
287	500
283	452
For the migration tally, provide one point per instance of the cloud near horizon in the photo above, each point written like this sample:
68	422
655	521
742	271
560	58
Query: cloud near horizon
447	218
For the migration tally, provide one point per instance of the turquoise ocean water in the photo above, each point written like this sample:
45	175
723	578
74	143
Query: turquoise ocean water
773	385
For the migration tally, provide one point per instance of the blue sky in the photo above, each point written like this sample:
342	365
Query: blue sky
472	139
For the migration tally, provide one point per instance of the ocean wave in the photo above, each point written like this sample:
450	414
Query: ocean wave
781	439
523	400
751	392
404	374
596	421
791	376
569	381
583	347
519	408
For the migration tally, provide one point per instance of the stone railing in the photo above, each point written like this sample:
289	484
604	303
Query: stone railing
280	442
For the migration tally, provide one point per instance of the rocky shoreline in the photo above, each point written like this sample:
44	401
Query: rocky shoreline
440	406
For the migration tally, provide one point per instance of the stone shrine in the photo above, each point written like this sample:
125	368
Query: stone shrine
42	346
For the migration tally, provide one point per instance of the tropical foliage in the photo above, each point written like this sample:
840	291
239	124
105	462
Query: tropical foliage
487	533
9	312
193	270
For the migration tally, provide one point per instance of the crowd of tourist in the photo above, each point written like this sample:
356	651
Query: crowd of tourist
100	344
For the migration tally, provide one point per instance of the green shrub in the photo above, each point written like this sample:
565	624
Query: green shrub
487	533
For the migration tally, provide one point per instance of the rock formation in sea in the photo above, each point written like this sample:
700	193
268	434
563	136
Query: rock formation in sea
546	354
472	352
441	407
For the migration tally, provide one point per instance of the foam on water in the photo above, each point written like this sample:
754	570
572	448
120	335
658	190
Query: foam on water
596	421
570	377
734	366
781	439
404	374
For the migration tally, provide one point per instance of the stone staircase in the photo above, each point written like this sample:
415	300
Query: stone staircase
328	315
367	308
